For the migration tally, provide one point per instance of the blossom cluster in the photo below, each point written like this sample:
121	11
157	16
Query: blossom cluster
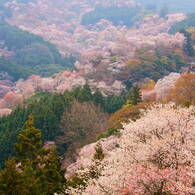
154	154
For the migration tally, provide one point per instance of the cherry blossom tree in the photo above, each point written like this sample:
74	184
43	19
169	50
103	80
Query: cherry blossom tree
13	98
153	156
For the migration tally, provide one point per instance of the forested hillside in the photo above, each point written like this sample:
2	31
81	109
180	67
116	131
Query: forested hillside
28	54
48	110
97	97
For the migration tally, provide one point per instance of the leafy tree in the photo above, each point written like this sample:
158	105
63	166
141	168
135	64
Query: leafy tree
153	65
80	124
109	132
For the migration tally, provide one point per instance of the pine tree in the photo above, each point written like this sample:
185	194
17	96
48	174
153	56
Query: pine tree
86	94
11	180
29	141
135	96
98	98
51	176
36	170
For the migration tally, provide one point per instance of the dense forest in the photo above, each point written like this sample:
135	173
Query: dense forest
68	119
30	53
48	110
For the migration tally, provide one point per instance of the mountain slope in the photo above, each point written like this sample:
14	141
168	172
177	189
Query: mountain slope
157	148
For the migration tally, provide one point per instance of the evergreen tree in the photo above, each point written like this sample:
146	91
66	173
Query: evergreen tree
36	170
98	98
86	94
51	176
135	96
113	103
11	180
29	141
188	43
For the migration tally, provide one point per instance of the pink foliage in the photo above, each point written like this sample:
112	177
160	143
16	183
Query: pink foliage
154	155
148	95
144	180
46	84
13	98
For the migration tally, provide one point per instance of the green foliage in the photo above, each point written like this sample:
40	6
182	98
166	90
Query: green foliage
109	104
109	132
135	96
80	181
35	169
117	15
83	94
98	98
11	181
155	65
112	103
47	110
51	176
29	140
16	71
47	70
33	55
